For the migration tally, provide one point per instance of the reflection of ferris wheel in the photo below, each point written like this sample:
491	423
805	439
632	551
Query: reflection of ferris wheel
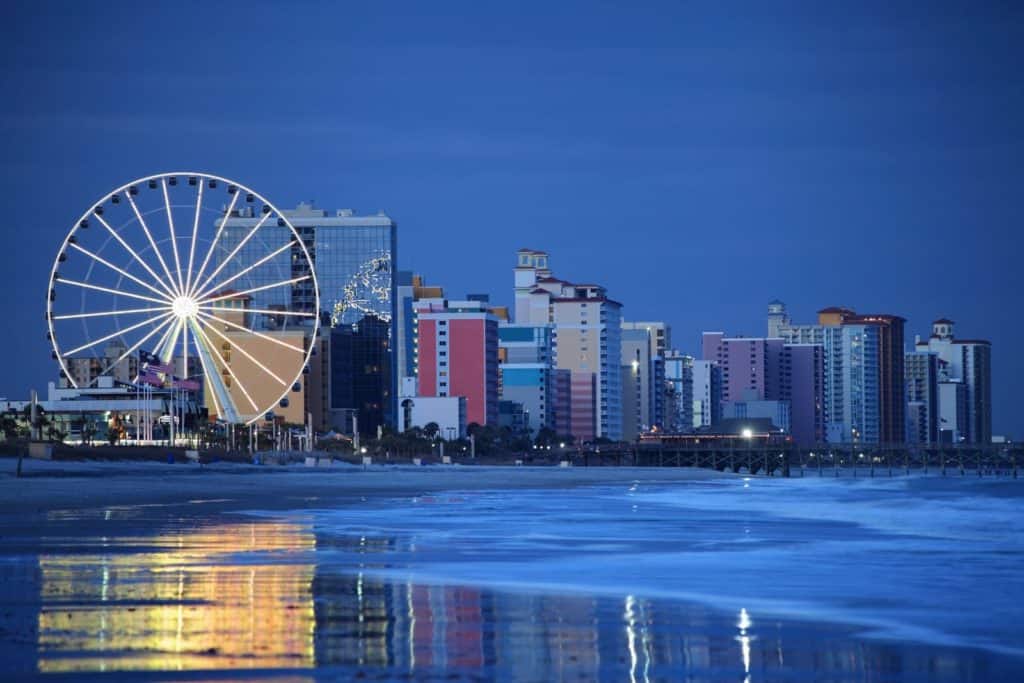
186	279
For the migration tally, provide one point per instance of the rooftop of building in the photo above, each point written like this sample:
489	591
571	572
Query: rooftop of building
305	214
875	317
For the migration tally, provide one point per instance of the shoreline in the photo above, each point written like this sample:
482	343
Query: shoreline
52	485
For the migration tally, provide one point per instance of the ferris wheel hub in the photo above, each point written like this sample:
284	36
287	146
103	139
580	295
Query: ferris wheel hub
185	307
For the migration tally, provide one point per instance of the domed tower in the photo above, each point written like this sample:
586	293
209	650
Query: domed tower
942	328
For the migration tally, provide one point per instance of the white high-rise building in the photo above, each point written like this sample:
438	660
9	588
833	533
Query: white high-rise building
707	393
965	412
644	345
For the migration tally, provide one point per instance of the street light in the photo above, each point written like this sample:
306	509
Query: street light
747	433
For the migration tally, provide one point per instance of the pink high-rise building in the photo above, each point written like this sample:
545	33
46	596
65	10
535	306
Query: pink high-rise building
457	355
762	371
751	366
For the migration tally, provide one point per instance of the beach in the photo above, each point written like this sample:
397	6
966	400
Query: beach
150	570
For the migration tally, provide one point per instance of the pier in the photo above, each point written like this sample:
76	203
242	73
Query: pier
835	460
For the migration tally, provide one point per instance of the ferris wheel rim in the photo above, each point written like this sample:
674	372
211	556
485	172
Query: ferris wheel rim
185	289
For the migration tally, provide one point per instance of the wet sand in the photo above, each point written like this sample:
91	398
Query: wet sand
50	485
153	571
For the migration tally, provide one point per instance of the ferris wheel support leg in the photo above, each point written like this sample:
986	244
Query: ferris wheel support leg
220	392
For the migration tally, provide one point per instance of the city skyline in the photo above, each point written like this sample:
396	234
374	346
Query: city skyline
706	212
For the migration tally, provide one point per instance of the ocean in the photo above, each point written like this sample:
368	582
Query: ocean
727	579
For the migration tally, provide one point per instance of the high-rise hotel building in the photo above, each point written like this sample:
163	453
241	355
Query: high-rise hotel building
965	383
586	342
864	397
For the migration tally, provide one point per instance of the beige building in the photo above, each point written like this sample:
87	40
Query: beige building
84	370
587	341
256	368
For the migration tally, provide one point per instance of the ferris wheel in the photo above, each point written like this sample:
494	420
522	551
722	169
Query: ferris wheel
187	280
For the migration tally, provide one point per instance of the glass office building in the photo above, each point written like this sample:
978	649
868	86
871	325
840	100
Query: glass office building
353	257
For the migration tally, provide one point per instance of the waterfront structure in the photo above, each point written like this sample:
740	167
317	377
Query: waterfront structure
921	375
561	402
969	363
707	394
447	412
109	408
659	335
751	366
359	364
353	258
802	385
524	355
776	412
587	342
758	369
953	411
84	370
640	380
243	376
644	345
864	397
457	355
512	416
410	288
777	319
680	406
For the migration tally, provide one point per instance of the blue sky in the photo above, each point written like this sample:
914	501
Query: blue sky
697	159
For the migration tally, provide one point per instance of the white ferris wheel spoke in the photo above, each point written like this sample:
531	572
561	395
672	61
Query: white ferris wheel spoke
231	372
225	283
116	333
161	345
184	350
245	353
135	347
172	342
255	289
209	375
234	251
152	242
252	332
108	264
135	255
123	311
195	233
174	239
109	290
268	311
213	244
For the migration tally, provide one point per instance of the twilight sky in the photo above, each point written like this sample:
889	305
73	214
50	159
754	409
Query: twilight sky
698	160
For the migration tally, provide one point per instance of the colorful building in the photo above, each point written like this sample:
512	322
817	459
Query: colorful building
457	355
586	342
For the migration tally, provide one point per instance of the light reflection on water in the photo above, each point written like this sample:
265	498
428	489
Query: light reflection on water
184	606
270	595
